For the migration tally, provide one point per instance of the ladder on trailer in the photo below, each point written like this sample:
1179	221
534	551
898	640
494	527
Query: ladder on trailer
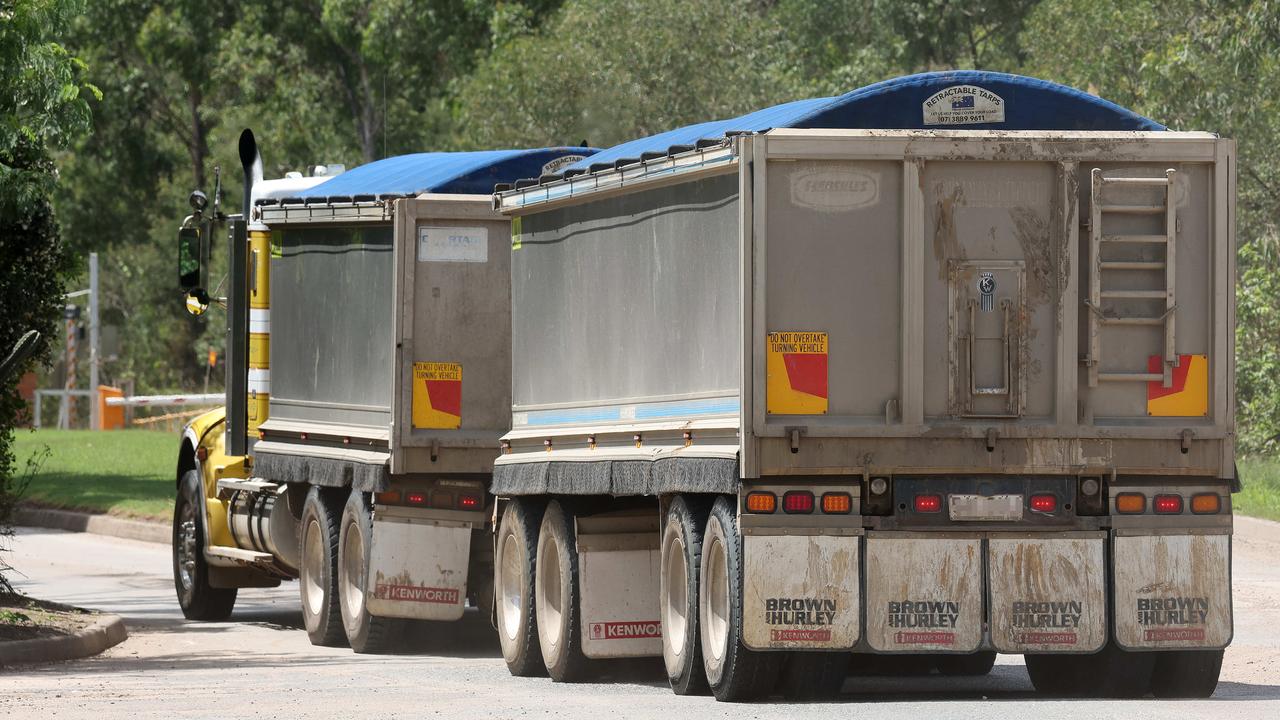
1100	268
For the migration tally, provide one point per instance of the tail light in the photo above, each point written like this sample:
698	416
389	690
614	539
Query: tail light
761	502
416	498
1131	503
391	497
1206	503
468	502
798	502
1044	503
1167	504
928	503
837	503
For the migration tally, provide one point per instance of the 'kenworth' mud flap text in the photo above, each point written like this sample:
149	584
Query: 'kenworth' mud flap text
1172	589
801	591
418	568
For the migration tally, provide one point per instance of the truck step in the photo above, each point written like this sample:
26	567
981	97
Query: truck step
1133	209
1132	265
1135	294
256	485
248	557
1161	239
1131	377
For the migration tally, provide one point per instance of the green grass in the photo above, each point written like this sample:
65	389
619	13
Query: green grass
1261	494
121	472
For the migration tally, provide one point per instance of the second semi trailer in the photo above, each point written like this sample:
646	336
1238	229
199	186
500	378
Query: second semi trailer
939	367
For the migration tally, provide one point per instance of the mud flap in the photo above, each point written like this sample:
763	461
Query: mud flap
618	561
1172	590
924	594
1048	594
800	591
418	568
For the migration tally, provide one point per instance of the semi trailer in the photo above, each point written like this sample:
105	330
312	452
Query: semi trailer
368	383
939	368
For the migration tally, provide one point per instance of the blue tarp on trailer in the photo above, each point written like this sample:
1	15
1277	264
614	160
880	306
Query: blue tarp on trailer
1007	102
469	173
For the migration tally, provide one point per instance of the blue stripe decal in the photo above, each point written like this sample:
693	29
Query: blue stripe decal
713	406
648	411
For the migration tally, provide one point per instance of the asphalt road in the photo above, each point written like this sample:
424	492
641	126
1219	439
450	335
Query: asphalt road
261	664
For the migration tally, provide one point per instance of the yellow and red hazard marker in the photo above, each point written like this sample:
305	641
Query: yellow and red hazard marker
437	395
796	373
1189	396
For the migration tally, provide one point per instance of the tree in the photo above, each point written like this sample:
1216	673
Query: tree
41	109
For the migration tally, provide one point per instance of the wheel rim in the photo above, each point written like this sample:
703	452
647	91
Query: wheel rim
675	607
550	599
186	549
716	586
353	570
509	587
313	570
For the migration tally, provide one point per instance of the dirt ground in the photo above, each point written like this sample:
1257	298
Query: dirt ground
24	618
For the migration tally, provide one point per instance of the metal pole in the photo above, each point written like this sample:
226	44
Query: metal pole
95	422
68	408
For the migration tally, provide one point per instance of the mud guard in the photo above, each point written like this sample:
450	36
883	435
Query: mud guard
1048	594
1172	590
801	592
418	568
924	593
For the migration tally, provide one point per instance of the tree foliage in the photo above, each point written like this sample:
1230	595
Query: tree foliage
42	108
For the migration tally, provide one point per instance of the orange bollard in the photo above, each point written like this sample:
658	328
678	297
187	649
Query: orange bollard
110	417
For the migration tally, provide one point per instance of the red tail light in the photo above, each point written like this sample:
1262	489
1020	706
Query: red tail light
797	502
1044	503
468	502
415	498
1168	504
928	503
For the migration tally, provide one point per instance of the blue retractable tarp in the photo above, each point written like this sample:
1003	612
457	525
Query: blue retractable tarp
469	173
898	104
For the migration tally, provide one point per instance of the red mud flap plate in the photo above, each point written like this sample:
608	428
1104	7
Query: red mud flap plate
1047	594
800	591
1172	590
924	593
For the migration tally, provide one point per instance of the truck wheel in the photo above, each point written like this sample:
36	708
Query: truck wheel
556	595
733	672
198	599
513	571
318	576
975	664
1186	673
814	675
678	594
1109	673
365	632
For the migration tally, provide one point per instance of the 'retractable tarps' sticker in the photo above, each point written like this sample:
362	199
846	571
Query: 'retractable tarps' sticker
453	244
437	395
1189	396
796	373
963	105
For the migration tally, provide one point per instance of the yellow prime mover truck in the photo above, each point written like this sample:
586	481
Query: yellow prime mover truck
940	367
368	383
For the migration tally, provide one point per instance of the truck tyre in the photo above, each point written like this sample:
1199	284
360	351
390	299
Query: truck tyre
366	633
318	576
733	672
678	594
814	675
198	599
1109	673
972	665
1186	673
556	595
513	576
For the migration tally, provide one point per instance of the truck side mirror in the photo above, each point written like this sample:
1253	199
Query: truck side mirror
189	256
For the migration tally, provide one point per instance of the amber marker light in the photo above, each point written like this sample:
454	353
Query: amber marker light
761	502
1131	503
1206	504
836	503
391	497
